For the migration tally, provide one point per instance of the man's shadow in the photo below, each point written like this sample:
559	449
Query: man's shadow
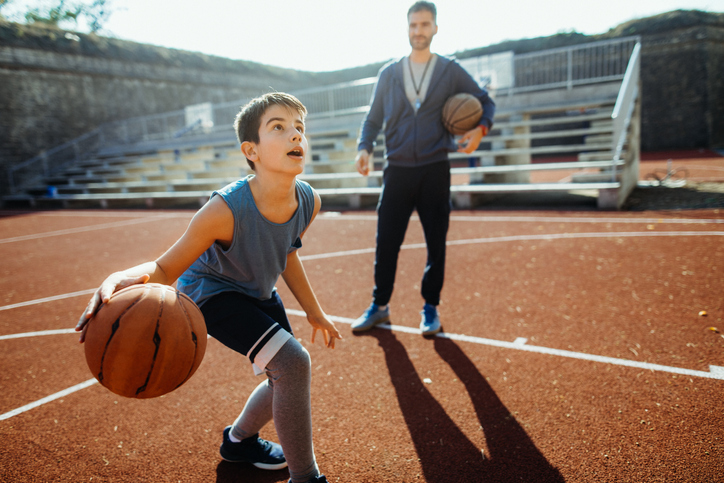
445	452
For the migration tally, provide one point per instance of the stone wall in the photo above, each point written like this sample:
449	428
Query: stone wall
53	89
682	89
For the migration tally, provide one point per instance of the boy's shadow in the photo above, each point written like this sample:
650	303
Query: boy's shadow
445	452
243	472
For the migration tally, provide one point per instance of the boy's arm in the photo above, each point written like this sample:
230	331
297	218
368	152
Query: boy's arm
214	222
296	279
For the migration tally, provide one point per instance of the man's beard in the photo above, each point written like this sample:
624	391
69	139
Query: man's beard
420	42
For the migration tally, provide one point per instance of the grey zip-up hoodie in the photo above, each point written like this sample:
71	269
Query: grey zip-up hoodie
418	139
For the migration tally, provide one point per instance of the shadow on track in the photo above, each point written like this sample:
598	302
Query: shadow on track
446	454
242	472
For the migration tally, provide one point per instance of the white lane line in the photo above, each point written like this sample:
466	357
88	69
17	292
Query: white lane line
38	334
81	229
520	344
551	236
563	236
48	399
540	219
716	372
412	246
555	219
48	299
116	214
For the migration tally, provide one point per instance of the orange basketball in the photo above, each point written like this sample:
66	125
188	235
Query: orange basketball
146	341
461	113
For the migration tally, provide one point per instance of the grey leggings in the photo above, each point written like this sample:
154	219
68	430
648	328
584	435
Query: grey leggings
285	397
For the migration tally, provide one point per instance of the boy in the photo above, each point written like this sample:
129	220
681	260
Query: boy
228	261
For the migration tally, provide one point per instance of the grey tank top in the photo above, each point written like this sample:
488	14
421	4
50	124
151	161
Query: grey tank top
258	252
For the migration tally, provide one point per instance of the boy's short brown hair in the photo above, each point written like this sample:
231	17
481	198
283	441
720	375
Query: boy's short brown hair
248	120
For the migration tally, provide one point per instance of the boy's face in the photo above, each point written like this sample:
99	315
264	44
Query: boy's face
422	28
282	143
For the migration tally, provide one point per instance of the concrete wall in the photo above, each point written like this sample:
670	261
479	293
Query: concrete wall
52	92
683	89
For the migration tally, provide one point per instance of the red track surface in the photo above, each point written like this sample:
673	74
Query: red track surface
390	405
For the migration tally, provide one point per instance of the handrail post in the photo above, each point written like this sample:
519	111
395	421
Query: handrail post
569	72
44	162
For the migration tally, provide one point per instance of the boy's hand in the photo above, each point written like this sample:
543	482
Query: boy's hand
329	331
471	139
112	284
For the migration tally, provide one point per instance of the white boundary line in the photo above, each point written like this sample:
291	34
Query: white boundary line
412	246
539	219
551	236
80	229
48	299
715	372
48	399
38	333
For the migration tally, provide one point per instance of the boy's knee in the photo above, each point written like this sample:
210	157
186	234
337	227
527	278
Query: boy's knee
292	360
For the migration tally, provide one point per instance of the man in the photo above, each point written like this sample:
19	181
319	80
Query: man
408	100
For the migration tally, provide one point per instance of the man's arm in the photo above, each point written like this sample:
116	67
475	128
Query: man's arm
371	127
470	141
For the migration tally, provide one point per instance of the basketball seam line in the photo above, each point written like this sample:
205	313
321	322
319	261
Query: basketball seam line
156	342
115	327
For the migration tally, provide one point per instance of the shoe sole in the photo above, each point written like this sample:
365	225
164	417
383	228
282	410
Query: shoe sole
266	466
262	466
364	328
434	331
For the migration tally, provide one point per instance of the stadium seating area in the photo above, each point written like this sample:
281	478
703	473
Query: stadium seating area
567	138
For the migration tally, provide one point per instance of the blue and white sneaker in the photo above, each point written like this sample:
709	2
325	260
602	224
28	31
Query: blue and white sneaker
372	316
430	323
259	452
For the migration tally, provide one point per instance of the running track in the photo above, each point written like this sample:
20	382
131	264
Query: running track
574	350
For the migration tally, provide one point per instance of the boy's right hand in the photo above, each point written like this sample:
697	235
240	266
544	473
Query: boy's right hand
112	284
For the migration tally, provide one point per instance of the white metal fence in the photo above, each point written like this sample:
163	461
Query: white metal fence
564	67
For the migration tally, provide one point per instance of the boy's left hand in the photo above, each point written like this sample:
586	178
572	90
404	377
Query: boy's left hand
470	141
329	331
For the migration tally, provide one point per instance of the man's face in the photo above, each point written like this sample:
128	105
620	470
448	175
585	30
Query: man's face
422	28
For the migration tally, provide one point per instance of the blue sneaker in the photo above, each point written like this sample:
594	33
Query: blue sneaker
430	323
259	452
372	316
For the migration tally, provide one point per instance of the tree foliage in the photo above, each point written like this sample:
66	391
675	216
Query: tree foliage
61	13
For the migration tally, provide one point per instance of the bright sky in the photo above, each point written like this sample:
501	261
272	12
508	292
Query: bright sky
324	35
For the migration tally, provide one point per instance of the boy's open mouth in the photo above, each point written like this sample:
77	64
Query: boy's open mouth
296	152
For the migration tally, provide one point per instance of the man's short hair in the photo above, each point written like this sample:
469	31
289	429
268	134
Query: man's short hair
422	5
248	120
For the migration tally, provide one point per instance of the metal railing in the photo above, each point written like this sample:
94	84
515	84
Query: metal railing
564	67
571	66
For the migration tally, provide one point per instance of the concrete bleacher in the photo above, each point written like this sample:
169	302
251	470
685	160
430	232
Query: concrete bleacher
166	177
588	133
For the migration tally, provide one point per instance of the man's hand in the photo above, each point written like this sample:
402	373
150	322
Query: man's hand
471	139
362	162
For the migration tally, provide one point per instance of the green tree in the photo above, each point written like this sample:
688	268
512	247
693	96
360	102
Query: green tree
62	13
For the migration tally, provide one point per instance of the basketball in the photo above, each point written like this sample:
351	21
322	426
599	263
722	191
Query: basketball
461	113
146	341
